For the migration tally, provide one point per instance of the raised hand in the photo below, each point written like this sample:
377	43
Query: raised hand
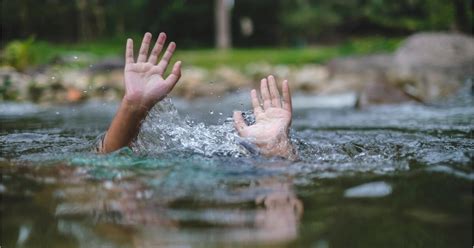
273	120
145	83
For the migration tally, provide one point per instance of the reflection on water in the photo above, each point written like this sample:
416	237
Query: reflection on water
396	176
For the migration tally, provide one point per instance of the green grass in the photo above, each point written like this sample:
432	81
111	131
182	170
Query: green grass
44	52
294	56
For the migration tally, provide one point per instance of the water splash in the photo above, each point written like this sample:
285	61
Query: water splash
165	130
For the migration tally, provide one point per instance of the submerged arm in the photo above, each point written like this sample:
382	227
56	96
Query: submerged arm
145	85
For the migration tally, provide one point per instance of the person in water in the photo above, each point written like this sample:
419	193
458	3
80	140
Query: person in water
146	85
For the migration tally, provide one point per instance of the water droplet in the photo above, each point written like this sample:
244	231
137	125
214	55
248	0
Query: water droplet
211	112
57	113
220	113
75	57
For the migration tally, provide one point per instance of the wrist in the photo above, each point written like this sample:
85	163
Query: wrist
133	112
135	106
279	146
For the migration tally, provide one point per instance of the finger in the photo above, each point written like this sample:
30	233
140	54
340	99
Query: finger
173	78
285	88
129	52
142	54
255	101
267	103
166	58
160	42
275	95
239	122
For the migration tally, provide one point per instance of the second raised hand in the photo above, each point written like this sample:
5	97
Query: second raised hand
145	83
273	119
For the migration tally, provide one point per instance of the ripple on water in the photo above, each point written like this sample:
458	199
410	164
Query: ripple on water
369	190
186	172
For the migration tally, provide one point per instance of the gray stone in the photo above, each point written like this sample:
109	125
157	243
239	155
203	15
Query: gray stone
432	65
442	50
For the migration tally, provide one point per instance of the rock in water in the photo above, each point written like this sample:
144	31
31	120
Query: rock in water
432	65
435	50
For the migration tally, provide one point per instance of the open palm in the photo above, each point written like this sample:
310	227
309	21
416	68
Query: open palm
273	117
145	83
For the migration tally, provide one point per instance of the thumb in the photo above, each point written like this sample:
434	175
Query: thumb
239	122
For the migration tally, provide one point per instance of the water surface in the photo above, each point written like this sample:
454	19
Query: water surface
386	176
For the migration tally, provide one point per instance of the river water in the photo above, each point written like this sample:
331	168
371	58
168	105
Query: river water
385	176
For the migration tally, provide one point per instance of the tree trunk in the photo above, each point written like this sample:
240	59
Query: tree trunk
222	24
461	11
100	20
23	14
83	22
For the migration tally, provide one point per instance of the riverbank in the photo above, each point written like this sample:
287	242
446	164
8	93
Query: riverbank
425	67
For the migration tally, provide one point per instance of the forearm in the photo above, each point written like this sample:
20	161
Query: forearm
124	127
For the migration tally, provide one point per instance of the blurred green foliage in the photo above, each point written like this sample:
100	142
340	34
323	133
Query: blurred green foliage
315	18
18	54
99	27
412	15
191	23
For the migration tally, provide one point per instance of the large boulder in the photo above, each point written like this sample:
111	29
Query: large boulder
442	50
432	65
426	67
